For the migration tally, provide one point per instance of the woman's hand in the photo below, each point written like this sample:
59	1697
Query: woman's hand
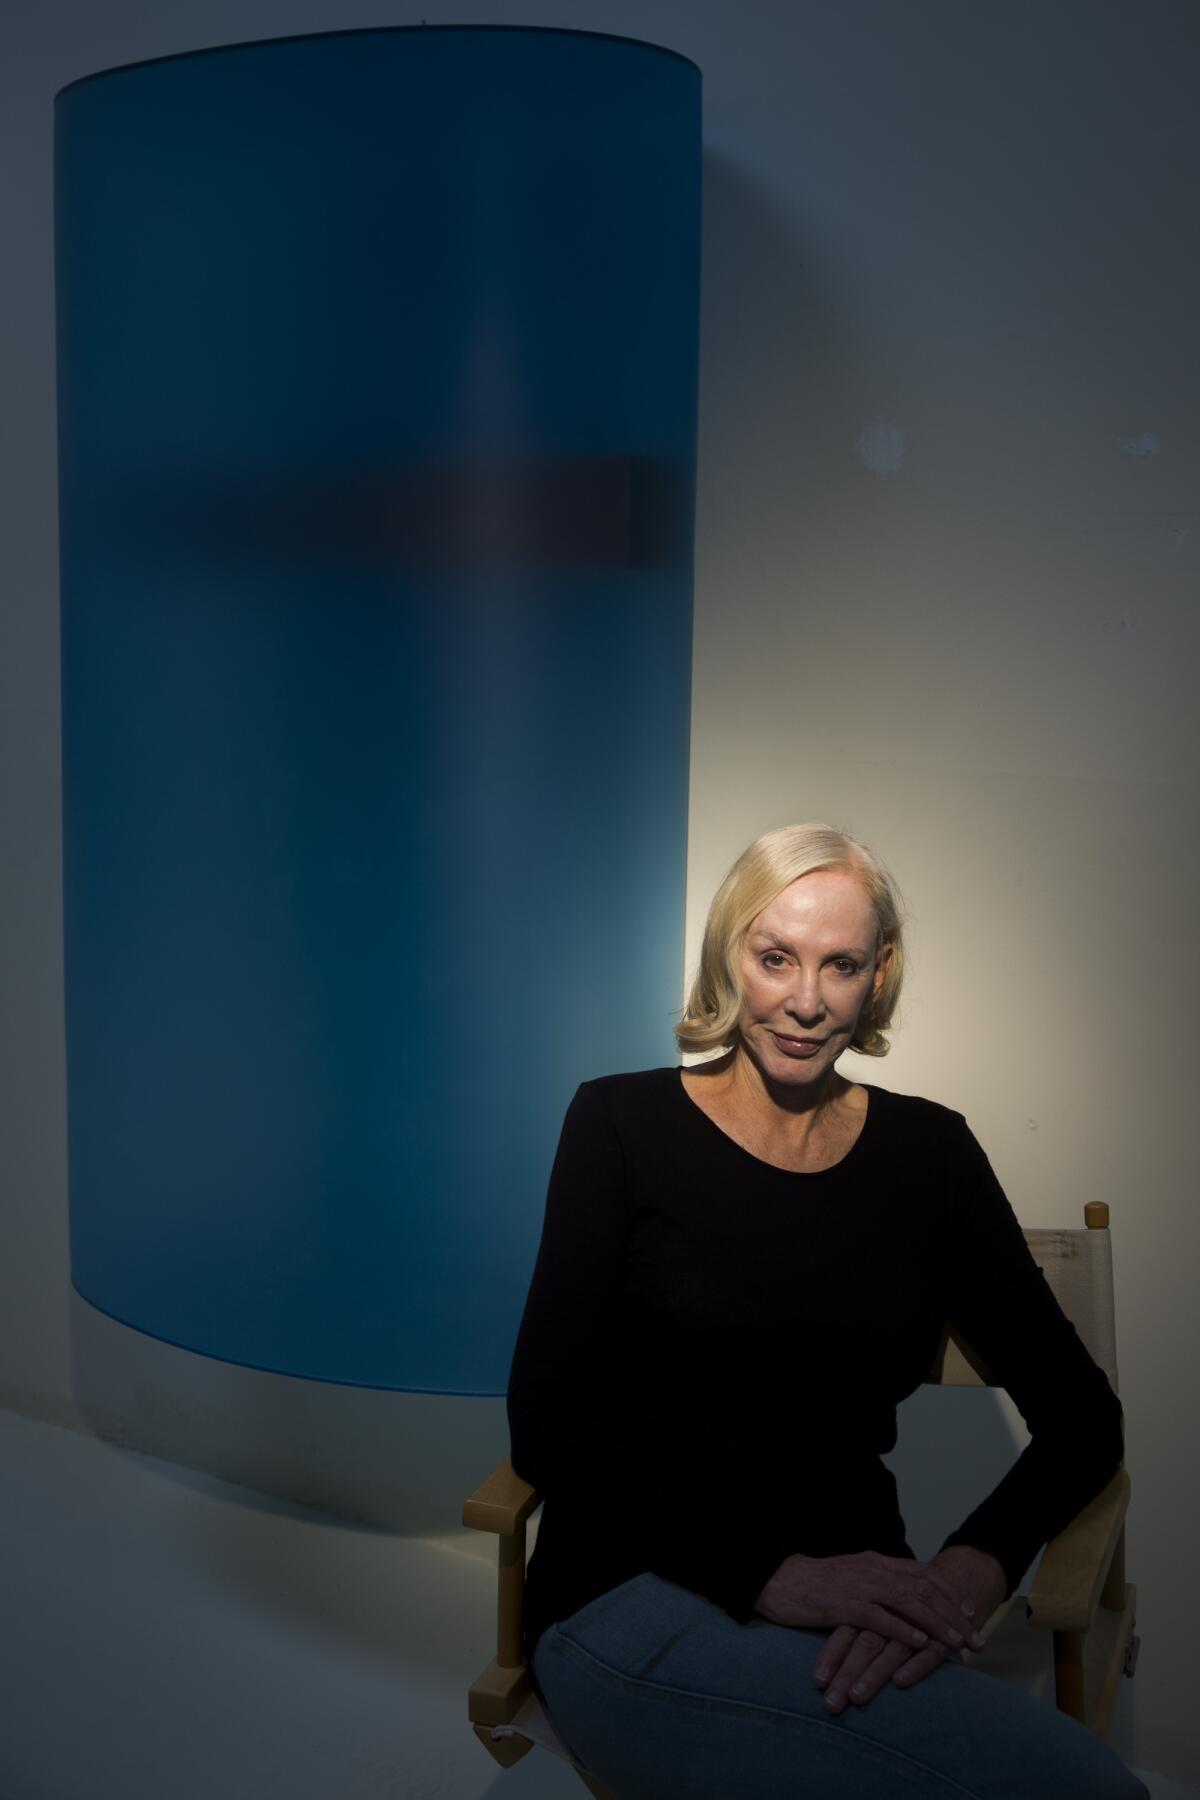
902	1601
857	1664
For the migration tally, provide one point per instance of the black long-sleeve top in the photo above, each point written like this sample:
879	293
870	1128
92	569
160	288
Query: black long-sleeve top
699	1321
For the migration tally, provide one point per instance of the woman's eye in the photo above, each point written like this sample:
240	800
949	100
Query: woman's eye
844	966
773	959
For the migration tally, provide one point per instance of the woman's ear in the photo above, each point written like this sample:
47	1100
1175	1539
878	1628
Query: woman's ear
882	960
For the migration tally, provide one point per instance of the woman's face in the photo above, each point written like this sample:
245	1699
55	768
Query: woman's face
809	965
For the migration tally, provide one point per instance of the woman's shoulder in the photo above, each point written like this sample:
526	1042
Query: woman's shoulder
915	1115
629	1097
631	1086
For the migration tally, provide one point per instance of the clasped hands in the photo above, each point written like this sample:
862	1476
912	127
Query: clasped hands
893	1619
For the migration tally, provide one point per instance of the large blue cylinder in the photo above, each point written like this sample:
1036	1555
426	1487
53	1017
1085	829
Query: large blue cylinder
377	373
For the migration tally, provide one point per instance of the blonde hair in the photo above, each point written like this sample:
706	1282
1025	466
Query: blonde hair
772	863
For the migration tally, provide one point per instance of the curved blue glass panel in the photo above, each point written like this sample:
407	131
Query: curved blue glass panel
377	357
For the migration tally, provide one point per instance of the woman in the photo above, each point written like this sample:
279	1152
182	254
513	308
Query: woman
745	1267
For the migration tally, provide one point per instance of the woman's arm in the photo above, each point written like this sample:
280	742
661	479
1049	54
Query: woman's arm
1002	1304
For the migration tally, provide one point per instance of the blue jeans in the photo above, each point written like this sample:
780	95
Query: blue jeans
659	1693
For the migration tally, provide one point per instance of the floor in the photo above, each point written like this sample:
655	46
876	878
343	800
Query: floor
170	1635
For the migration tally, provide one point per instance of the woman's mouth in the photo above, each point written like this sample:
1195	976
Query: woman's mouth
797	1046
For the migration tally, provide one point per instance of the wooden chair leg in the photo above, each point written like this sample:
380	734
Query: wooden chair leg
1068	1674
1088	1666
506	1750
1116	1655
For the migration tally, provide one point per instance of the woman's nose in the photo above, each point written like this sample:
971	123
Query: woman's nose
806	1001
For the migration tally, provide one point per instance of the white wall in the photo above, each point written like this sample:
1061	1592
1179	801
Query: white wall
947	566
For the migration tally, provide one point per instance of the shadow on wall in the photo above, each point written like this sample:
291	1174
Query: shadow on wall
783	366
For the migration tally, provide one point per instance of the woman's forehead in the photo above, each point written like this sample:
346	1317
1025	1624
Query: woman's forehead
825	901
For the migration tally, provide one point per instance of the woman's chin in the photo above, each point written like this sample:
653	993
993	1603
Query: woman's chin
790	1069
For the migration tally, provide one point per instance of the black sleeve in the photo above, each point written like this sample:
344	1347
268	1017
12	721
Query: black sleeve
566	1440
1002	1304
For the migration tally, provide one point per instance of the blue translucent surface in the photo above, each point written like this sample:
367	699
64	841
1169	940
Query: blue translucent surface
377	437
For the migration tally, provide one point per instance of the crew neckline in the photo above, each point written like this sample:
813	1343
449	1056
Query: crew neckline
759	1162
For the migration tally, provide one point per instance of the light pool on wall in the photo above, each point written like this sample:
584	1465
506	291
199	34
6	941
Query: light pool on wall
377	370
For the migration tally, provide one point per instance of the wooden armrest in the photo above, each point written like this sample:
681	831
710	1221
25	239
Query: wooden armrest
1074	1565
502	1503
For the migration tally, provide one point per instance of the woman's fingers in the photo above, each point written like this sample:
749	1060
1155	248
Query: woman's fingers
868	1665
920	1621
917	1667
833	1654
932	1625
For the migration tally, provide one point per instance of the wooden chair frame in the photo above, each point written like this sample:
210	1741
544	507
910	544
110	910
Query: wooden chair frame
1079	1593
